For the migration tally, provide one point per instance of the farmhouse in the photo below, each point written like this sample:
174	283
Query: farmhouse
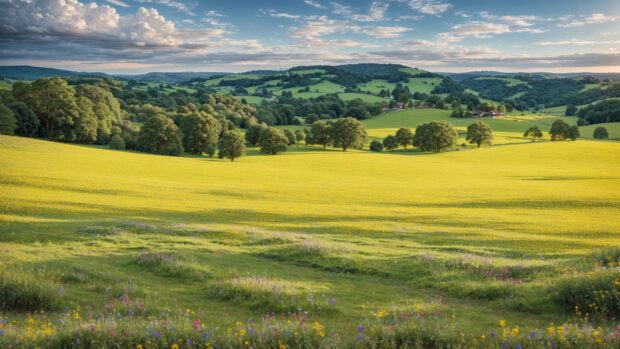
424	105
492	113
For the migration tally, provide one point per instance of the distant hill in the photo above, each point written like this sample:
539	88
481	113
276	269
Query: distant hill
25	72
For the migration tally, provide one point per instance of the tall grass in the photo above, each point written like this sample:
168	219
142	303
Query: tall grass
22	289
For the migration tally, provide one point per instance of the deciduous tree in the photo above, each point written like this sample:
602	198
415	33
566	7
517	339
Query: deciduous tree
273	141
404	136
434	136
231	145
159	135
348	133
479	133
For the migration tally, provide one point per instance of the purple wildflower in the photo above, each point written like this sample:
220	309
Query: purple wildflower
62	291
492	333
332	301
519	346
1	332
552	344
190	342
360	328
205	336
251	331
533	334
156	335
77	341
360	337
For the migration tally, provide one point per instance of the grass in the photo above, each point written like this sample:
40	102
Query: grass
362	96
478	235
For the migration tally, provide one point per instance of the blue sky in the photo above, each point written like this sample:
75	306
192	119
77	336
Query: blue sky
134	36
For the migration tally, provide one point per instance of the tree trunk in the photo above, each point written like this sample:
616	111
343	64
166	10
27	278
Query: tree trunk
478	144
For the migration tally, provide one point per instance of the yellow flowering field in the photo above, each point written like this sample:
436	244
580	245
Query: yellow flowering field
472	236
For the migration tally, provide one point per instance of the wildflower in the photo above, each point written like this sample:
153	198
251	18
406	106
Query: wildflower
241	333
533	334
238	323
519	346
552	344
190	342
247	343
205	336
360	337
502	323
196	324
174	346
515	331
492	333
139	346
1	332
92	328
332	301
482	337
281	345
360	328
77	341
381	314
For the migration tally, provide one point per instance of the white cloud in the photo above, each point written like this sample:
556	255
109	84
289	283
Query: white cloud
386	32
186	6
314	4
341	9
376	13
117	3
213	13
319	26
578	42
72	20
429	7
595	18
480	29
283	15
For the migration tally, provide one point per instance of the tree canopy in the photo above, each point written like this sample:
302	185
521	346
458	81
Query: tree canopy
159	135
348	133
231	145
479	133
273	141
434	136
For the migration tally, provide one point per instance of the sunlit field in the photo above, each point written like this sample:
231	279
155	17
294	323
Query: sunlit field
462	238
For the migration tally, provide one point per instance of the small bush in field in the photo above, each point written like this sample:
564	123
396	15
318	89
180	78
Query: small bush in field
596	293
25	290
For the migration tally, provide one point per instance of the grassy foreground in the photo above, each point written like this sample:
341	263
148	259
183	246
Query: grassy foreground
352	249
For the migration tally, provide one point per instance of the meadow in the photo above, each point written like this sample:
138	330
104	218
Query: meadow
504	246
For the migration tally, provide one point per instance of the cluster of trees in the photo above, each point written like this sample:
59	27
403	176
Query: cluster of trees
494	89
561	131
50	108
286	110
434	136
604	111
343	133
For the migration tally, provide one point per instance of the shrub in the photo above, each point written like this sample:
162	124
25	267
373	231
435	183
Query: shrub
376	146
268	293
117	142
596	293
600	133
169	264
25	290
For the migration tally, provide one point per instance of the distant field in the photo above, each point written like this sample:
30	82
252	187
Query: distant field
423	85
612	127
510	81
362	96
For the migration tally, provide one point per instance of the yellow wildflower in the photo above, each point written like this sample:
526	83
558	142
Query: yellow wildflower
281	345
241	333
139	346
174	346
381	313
502	323
515	331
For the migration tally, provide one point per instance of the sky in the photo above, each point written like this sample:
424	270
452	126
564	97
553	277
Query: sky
138	36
